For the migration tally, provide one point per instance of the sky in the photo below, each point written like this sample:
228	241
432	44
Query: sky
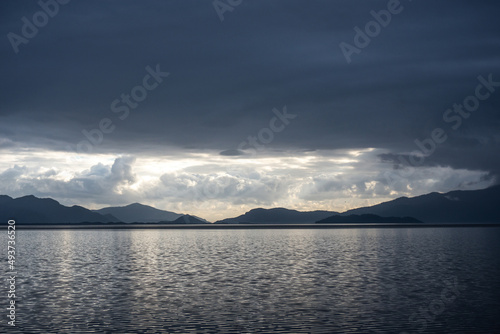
217	107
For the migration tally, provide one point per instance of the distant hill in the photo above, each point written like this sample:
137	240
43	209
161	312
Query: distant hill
368	218
278	216
470	206
187	219
136	212
33	210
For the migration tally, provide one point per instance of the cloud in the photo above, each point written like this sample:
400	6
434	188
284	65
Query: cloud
231	153
245	188
339	181
99	183
214	99
225	79
6	143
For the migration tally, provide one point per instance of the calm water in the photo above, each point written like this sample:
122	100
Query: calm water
250	281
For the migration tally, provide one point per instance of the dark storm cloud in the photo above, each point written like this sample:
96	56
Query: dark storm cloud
475	153
232	152
226	77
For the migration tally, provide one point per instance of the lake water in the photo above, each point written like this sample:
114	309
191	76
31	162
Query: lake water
405	280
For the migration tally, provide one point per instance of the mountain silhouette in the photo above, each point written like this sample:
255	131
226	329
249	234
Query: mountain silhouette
460	206
187	219
368	218
278	216
33	210
136	212
471	206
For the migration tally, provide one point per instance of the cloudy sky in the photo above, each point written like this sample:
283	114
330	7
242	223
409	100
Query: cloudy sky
214	108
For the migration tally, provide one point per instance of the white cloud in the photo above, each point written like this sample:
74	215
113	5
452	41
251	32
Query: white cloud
214	186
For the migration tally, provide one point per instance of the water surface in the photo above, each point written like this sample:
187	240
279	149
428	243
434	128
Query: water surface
414	280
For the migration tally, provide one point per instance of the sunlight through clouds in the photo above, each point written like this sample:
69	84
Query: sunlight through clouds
215	186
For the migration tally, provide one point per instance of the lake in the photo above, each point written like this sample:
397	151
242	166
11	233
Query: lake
404	280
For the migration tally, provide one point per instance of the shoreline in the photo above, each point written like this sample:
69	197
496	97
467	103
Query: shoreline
242	226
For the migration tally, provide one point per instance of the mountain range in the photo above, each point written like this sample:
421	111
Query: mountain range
460	206
33	210
136	212
186	219
278	216
471	206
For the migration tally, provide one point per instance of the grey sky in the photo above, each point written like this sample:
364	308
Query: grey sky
225	79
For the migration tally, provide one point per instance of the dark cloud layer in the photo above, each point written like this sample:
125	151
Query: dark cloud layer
226	77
